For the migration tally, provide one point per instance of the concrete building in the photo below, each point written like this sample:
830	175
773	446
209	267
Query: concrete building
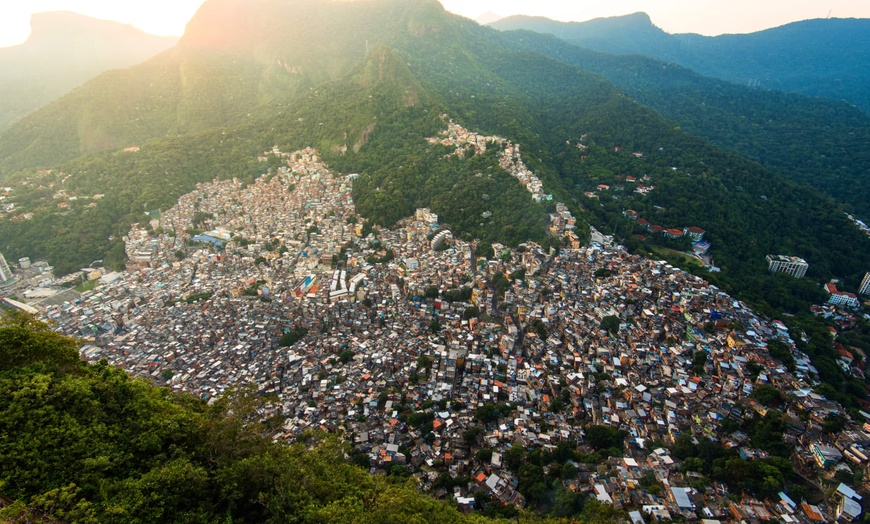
695	233
5	272
794	266
849	507
826	455
865	285
840	298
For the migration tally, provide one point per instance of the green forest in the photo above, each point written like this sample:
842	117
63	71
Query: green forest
814	141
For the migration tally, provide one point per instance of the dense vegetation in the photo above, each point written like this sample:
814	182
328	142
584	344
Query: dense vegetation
818	142
87	443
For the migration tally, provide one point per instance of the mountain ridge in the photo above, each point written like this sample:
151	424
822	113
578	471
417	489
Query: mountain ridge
818	57
65	49
820	142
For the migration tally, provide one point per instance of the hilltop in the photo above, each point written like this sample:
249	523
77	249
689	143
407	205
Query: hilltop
63	51
814	57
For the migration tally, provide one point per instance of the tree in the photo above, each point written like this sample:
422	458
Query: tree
514	458
293	336
699	360
470	312
767	395
470	435
568	503
610	324
834	423
601	437
532	484
25	340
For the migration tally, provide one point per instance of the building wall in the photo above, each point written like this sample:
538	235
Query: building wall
5	272
795	269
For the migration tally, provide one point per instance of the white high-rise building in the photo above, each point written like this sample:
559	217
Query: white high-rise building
865	285
794	266
5	272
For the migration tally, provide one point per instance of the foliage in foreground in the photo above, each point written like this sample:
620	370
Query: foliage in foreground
87	443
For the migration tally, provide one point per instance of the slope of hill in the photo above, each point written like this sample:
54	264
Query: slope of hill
64	50
819	142
373	117
90	444
366	83
815	57
214	77
374	120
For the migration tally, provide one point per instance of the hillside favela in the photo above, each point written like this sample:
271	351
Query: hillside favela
401	261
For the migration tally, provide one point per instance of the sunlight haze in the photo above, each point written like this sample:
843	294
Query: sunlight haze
711	17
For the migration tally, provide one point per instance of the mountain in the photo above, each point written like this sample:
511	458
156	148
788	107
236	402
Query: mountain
613	35
64	50
367	83
368	96
815	141
824	58
488	18
213	77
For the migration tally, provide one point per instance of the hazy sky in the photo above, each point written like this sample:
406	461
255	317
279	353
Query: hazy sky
710	17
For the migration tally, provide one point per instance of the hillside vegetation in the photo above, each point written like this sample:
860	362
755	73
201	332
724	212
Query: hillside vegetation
88	444
821	57
813	141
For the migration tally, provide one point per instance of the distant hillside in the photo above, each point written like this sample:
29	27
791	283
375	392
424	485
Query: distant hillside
64	50
213	77
821	142
825	58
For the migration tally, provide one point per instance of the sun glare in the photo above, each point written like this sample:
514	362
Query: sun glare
158	17
169	17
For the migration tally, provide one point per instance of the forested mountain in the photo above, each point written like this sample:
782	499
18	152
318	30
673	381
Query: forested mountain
820	142
232	65
366	83
63	51
367	99
825	58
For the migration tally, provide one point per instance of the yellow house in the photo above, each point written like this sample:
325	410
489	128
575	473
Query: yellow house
735	340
